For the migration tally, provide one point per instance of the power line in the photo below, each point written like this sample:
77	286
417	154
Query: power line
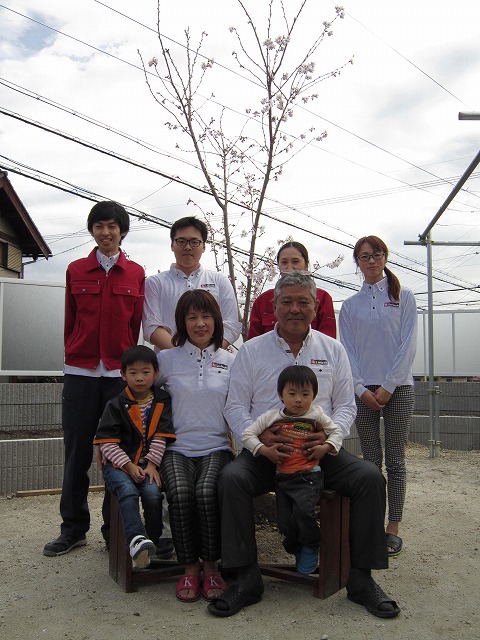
405	186
106	152
216	102
405	58
142	166
119	59
248	79
144	216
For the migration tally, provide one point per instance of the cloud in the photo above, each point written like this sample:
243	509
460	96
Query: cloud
25	38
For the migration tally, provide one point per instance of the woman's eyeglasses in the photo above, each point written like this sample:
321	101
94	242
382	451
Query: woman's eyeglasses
365	257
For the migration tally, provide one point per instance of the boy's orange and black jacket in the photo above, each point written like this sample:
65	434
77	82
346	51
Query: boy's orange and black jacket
121	423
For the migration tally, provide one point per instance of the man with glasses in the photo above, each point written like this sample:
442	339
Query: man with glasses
162	290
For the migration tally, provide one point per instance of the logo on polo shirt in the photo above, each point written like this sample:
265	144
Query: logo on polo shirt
219	365
319	362
207	285
391	304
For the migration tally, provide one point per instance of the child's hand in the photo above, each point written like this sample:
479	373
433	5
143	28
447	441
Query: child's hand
135	472
273	453
152	473
317	452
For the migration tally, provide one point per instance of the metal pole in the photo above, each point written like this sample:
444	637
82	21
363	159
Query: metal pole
433	390
469	115
470	169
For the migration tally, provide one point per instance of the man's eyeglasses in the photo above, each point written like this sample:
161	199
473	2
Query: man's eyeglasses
365	257
193	242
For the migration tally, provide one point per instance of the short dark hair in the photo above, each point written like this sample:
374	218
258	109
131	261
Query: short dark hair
140	353
302	250
189	221
198	300
109	210
299	376
295	279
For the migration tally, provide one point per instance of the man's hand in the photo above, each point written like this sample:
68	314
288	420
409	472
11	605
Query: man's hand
370	400
270	438
313	440
319	451
273	453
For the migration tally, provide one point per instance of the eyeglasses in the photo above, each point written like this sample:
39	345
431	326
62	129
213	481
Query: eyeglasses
365	257
193	242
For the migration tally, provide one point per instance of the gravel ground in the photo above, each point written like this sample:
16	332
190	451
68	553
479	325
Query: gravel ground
435	580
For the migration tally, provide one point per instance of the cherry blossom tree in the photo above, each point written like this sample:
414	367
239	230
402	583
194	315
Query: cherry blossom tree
238	165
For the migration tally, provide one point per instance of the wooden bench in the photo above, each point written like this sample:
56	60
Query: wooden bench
120	562
333	553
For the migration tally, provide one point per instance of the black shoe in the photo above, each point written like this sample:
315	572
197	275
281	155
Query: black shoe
165	549
63	544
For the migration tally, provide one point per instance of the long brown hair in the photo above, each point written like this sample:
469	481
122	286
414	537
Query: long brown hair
378	244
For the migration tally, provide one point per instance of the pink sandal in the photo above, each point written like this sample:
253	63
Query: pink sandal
188	583
212	581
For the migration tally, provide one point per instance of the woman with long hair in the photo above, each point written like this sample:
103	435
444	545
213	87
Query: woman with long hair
292	256
378	328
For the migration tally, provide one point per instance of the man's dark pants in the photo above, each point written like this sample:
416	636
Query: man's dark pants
83	402
248	476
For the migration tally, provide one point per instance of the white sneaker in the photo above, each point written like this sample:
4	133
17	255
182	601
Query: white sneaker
141	550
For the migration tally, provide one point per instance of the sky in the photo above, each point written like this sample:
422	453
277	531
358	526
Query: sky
394	151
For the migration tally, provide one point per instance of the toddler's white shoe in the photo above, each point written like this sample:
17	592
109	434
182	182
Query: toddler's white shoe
141	550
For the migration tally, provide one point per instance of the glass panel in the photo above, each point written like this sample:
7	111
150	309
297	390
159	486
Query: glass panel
32	331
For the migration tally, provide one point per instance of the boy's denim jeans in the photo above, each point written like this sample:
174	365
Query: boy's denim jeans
297	496
128	493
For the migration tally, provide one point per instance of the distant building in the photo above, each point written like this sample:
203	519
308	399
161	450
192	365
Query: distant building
19	237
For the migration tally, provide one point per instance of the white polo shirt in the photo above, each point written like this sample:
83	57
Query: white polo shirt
163	290
197	380
380	336
253	383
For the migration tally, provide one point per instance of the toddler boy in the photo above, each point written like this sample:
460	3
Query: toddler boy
299	479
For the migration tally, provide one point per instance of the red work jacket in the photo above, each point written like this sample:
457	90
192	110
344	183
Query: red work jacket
103	311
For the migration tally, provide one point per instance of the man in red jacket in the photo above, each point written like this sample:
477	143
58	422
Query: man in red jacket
103	311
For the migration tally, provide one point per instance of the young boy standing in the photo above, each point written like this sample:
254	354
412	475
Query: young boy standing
103	311
132	434
299	478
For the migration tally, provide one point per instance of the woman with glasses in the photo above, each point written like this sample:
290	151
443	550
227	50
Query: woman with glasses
378	328
196	374
292	256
